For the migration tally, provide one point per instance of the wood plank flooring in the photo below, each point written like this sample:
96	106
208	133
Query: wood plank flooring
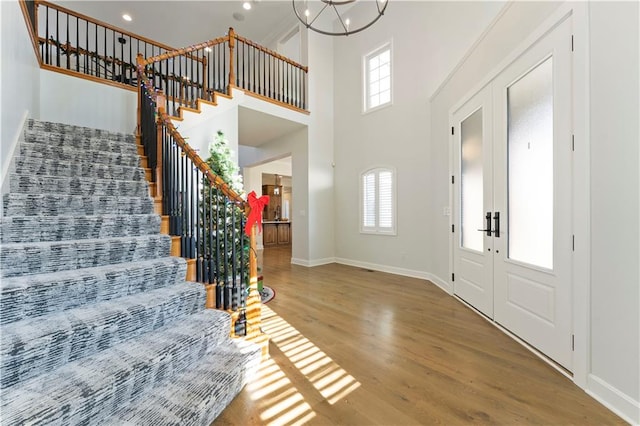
354	347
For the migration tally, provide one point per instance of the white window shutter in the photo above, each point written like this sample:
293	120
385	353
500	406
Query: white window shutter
378	202
369	200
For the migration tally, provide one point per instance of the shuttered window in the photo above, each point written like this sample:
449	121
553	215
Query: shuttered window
378	202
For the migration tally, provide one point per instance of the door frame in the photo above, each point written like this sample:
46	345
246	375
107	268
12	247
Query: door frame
577	12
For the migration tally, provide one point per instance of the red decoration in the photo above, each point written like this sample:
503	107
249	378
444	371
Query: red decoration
255	215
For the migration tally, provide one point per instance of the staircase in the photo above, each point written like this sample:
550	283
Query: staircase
98	325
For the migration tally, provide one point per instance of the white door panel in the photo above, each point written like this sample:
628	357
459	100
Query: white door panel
473	263
532	164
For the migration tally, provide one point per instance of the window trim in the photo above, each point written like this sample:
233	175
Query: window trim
377	230
365	77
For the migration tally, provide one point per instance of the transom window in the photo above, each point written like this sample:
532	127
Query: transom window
377	78
378	201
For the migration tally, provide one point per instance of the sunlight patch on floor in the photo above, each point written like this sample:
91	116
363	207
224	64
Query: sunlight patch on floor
280	401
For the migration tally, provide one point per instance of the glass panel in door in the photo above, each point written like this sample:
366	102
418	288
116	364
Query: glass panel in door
530	167
471	182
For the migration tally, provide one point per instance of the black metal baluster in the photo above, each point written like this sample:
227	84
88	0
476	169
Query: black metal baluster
177	225
77	44
67	46
271	72
234	277
287	88
165	172
199	65
219	281
192	82
243	262
210	269
255	69
57	38
96	55
189	207
130	62
173	85
225	253
194	209
180	80
46	38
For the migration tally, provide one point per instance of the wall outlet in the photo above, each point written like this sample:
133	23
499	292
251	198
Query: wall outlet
446	211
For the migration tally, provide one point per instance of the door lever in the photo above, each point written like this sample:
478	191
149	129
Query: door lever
488	226
496	226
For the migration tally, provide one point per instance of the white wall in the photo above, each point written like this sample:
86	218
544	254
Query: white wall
615	236
613	316
320	210
73	100
200	130
19	80
428	39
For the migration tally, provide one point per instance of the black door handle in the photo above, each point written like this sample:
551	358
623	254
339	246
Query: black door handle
487	217
496	225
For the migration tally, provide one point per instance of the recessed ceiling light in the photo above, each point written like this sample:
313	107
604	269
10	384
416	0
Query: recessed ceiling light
208	49
246	5
127	17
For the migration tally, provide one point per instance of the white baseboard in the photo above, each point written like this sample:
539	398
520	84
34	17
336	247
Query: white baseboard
618	402
312	263
7	162
444	285
385	268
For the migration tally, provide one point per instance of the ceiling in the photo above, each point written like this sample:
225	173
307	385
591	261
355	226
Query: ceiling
184	23
256	128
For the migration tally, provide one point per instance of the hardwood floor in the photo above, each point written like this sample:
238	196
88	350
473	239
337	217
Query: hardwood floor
354	347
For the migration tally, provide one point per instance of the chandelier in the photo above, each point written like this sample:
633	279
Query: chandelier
331	17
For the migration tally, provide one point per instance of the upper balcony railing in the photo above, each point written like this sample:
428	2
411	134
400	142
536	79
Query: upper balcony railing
77	44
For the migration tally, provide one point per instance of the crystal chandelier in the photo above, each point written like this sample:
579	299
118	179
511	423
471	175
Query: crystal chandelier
331	17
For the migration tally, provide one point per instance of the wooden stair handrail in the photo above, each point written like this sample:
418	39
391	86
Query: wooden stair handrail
189	152
185	50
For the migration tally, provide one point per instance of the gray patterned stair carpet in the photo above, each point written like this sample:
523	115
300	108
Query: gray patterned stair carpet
97	323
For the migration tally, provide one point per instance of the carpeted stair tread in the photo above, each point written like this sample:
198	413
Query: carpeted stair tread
93	388
33	125
74	205
75	168
76	185
64	153
15	229
31	296
38	345
197	396
108	142
45	257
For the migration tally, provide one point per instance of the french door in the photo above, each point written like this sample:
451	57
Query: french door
512	197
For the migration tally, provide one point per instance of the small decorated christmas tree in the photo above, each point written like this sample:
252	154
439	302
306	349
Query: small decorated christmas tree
221	163
225	248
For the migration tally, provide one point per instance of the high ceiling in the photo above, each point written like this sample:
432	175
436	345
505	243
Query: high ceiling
183	23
